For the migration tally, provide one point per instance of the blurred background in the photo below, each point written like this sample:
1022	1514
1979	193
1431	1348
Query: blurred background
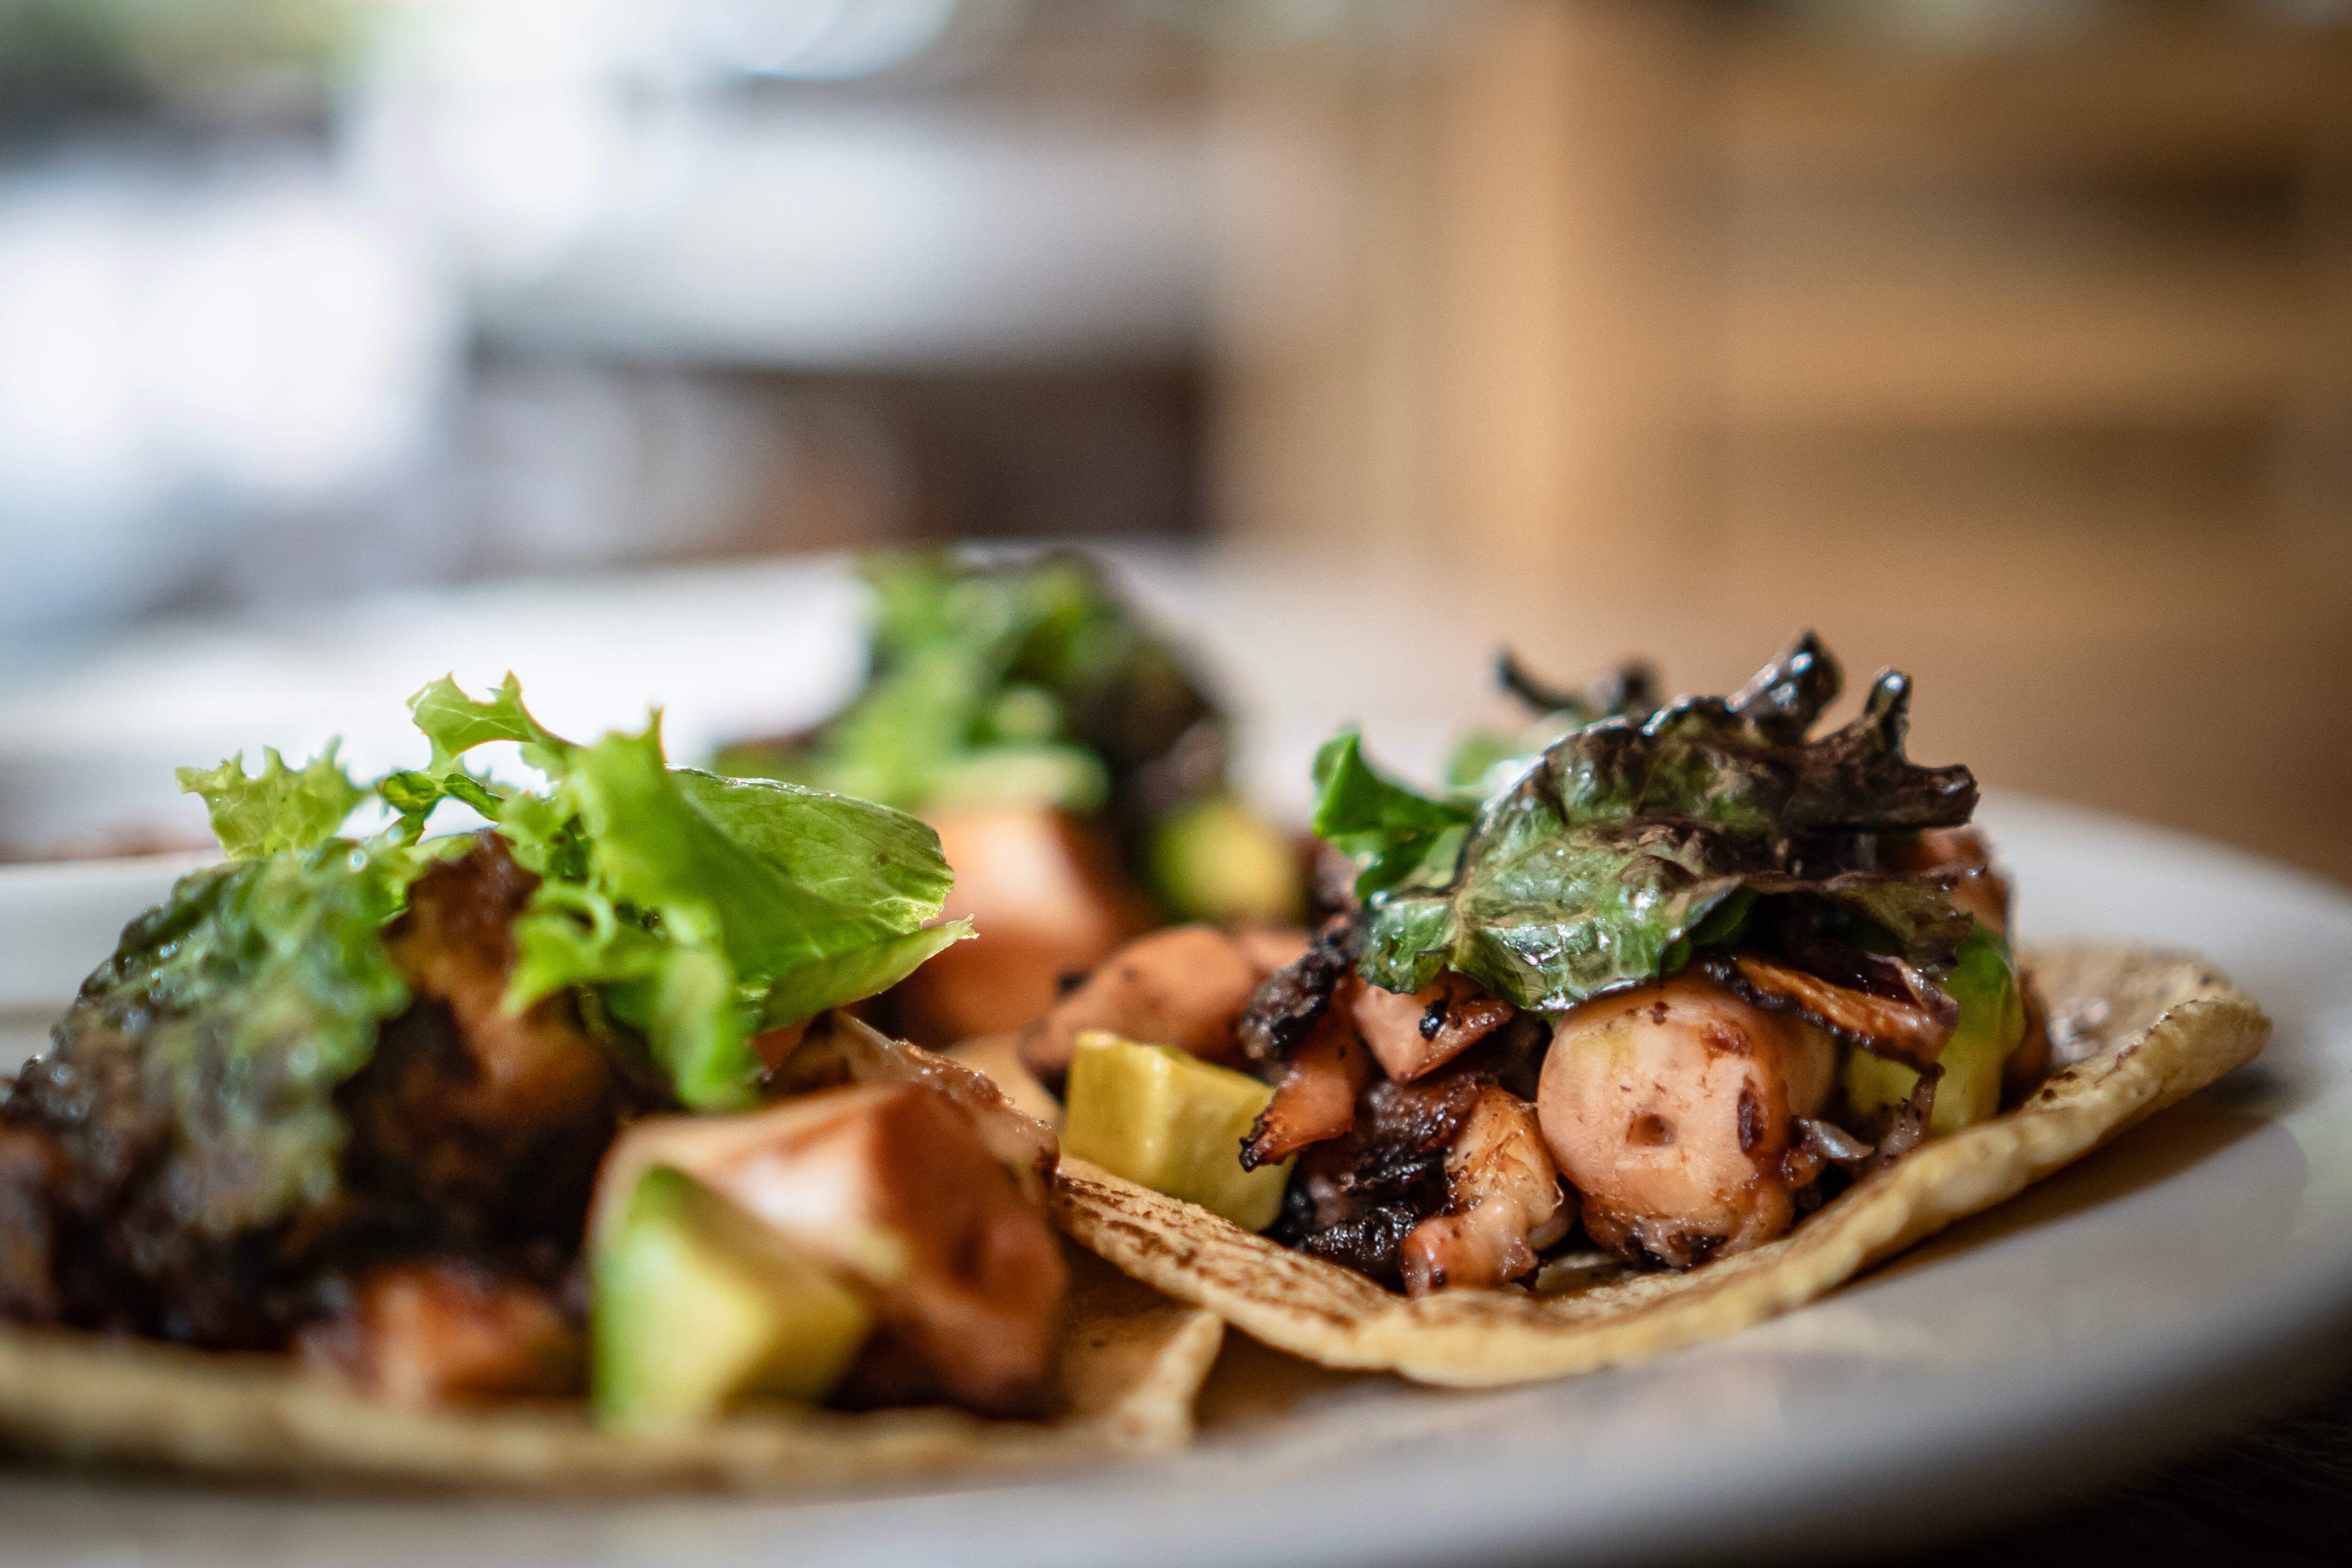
2008	341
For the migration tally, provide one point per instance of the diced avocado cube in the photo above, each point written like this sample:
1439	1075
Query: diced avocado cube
1217	860
1992	1023
1170	1123
695	1303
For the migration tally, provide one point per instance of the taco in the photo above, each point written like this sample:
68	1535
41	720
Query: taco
538	1156
1660	1021
1073	759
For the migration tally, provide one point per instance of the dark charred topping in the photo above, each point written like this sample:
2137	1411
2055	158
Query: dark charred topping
461	1094
1625	845
1292	999
1909	1027
1371	1242
1364	1193
1630	689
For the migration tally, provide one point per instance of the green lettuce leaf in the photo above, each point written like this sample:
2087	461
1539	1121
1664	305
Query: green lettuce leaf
711	908
1027	682
279	808
1396	837
1606	859
855	974
851	852
456	723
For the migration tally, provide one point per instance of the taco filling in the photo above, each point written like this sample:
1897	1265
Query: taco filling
1073	759
554	1108
1654	981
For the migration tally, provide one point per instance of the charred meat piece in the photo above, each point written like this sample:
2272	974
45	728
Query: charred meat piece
469	1133
1672	1109
1414	1034
1504	1203
91	1186
1184	987
442	1331
1315	1100
462	1098
29	1168
1292	999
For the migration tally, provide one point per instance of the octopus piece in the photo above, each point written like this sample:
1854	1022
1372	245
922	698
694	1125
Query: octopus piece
1672	1109
1315	1100
1294	997
1184	988
1415	1033
461	1094
1049	899
1504	1203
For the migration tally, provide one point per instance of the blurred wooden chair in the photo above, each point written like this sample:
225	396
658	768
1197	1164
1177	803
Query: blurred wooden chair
1579	274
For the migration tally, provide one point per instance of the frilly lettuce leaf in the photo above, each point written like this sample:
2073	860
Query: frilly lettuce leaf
277	809
456	723
702	910
1604	860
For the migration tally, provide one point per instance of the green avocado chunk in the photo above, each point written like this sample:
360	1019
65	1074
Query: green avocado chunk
1217	860
1992	1022
695	1303
1173	1123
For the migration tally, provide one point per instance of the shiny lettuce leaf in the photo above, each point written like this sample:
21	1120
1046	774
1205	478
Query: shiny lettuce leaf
277	809
1396	837
1608	857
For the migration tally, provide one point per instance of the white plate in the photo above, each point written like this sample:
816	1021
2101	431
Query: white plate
2169	1284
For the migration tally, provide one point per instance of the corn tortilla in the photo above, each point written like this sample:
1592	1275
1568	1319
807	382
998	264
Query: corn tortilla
1131	1364
2165	1024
